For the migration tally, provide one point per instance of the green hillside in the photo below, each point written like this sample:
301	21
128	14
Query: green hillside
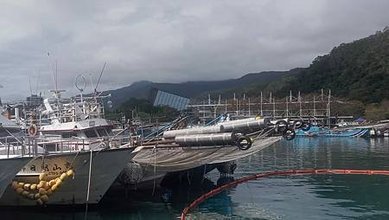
357	71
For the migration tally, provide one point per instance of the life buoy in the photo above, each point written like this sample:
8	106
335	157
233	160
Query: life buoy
32	130
244	143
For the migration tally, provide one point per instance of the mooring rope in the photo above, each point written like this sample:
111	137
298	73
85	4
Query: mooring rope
89	184
219	189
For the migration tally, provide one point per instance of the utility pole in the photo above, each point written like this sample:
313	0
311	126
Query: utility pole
329	108
261	104
287	107
299	99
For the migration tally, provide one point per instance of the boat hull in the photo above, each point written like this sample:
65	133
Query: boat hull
325	132
106	166
151	165
9	167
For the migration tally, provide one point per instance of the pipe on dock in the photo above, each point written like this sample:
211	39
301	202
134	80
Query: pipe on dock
206	139
245	124
229	126
190	131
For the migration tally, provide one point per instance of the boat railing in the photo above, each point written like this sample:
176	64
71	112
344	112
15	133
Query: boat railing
62	145
11	146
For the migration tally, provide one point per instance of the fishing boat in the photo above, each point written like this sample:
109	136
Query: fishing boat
66	178
58	175
10	162
74	120
316	131
185	149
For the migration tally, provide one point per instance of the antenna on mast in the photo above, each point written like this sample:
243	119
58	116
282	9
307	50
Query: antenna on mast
101	74
56	75
29	82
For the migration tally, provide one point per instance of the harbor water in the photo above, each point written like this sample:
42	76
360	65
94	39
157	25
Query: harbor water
293	197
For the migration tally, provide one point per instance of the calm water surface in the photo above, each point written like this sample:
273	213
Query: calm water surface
302	197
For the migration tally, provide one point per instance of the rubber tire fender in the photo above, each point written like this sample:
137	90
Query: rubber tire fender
305	126
298	124
289	134
241	145
283	128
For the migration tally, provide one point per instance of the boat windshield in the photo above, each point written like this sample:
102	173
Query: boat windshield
90	133
69	134
102	132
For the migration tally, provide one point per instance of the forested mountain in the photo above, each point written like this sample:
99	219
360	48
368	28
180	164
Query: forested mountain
357	71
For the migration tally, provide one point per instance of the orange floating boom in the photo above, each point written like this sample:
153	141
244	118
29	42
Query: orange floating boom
216	191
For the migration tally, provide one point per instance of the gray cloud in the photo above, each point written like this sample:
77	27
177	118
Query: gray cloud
170	41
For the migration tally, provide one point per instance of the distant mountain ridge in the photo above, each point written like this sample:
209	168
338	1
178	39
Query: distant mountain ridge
192	89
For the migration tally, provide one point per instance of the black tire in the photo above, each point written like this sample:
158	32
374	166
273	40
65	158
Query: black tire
244	143
298	124
281	126
289	134
305	126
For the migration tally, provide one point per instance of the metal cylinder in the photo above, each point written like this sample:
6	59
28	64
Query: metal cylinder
244	124
206	139
190	131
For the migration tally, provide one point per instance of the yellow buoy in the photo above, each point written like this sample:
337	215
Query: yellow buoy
53	188
58	182
27	186
44	198
31	196
63	176
52	182
42	191
19	190
39	201
42	176
14	185
25	193
46	186
33	186
70	173
21	184
40	184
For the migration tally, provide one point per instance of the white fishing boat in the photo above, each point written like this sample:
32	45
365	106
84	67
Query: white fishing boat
74	120
10	162
58	175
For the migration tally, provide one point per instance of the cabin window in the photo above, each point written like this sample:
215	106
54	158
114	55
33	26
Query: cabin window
102	132
69	135
90	133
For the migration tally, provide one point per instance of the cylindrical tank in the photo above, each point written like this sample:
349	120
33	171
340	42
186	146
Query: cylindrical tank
244	124
206	139
190	131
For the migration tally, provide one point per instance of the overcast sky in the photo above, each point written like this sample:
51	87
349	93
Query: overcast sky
169	41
